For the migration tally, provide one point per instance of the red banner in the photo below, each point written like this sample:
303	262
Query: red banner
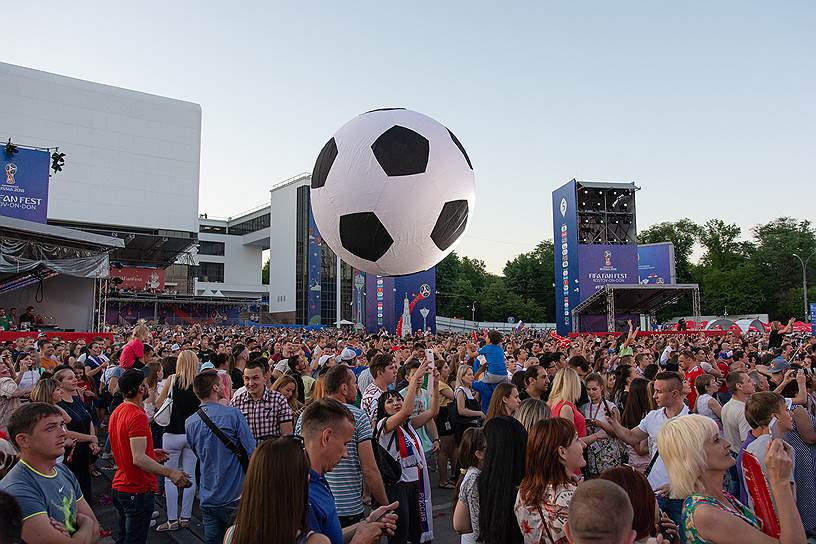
139	279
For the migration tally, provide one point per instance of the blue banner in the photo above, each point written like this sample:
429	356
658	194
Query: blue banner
389	299
602	264
420	291
315	259
565	240
813	318
656	264
24	184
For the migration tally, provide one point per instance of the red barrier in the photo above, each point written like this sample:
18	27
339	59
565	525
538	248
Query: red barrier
651	333
758	489
10	336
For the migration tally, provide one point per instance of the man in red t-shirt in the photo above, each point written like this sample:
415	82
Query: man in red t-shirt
138	463
691	370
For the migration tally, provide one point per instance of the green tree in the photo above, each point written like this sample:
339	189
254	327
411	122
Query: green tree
265	273
530	276
780	273
682	234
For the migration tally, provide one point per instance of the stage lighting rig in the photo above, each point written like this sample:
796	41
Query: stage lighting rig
57	161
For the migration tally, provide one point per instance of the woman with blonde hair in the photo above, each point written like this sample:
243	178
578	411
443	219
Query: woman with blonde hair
133	352
287	386
696	459
531	411
565	392
174	439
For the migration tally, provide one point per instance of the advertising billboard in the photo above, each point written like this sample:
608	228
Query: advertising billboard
416	297
24	184
379	303
137	278
314	259
656	264
389	299
565	238
602	264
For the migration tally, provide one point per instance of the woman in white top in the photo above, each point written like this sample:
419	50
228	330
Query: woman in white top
28	373
396	432
706	404
605	452
466	498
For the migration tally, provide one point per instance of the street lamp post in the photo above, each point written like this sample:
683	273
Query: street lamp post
804	263
473	312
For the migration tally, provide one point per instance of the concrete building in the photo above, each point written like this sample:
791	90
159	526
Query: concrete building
131	159
229	259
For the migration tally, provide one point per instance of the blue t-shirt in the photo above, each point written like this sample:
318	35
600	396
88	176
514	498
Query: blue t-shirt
485	391
55	495
221	473
495	359
322	516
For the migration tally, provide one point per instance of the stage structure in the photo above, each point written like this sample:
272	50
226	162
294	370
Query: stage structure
595	236
57	270
605	308
597	257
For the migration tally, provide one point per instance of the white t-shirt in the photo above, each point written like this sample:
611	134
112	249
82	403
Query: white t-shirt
651	424
28	380
412	464
469	494
759	448
704	409
735	426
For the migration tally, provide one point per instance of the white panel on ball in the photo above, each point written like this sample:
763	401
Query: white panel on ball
392	192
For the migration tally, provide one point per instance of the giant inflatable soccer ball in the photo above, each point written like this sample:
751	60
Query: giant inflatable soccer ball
392	192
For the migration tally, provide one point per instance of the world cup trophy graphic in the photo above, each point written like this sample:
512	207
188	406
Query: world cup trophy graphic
11	170
607	258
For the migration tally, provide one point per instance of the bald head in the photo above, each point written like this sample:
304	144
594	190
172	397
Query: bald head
600	512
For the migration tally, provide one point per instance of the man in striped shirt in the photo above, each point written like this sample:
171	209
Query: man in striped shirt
384	370
346	479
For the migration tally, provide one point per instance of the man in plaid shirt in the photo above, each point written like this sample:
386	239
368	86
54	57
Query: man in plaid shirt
266	411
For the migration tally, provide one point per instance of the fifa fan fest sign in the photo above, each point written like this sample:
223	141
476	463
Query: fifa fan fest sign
24	184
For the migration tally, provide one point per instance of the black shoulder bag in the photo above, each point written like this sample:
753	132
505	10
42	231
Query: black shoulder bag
238	450
390	468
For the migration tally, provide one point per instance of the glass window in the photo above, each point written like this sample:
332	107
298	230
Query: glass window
211	272
210	248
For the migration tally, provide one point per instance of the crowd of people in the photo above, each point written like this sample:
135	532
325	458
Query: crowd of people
287	435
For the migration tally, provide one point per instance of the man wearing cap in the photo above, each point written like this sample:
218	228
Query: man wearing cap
134	483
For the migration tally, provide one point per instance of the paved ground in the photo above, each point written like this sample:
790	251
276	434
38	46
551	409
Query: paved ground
107	514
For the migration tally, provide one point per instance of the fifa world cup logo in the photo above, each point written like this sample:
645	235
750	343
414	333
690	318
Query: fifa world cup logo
607	258
11	169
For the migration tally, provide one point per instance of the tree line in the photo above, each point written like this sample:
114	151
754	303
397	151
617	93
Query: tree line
736	276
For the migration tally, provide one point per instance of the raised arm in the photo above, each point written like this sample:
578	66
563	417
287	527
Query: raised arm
392	422
424	417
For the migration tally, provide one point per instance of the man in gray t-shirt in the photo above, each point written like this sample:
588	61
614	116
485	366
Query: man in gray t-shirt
47	492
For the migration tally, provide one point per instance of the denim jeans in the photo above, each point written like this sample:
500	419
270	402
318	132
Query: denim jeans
135	511
216	520
674	509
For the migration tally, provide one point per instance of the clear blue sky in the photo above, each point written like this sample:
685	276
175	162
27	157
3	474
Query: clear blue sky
709	106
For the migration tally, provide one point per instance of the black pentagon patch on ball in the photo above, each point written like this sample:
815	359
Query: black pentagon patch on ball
459	145
364	235
401	151
450	224
383	109
323	164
